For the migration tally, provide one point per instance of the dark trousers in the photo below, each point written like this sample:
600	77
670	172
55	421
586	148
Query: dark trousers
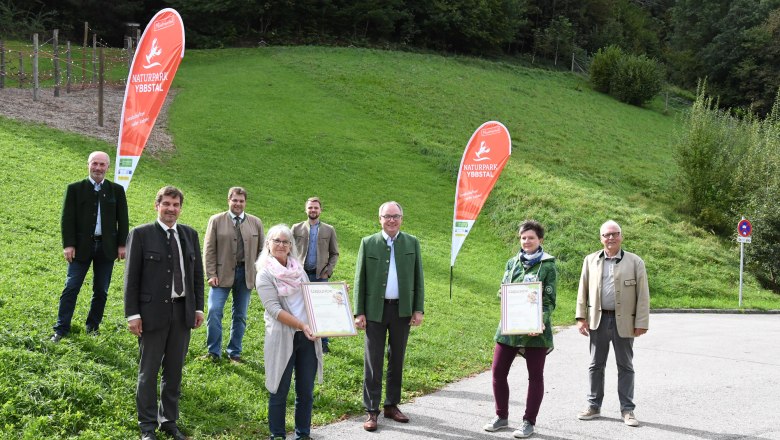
395	331
503	356
101	278
304	362
164	347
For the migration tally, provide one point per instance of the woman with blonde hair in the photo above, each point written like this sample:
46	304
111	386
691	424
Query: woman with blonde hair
290	345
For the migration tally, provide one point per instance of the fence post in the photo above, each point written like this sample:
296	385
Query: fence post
572	62
100	90
94	58
56	48
84	55
21	70
2	64
129	41
68	61
35	67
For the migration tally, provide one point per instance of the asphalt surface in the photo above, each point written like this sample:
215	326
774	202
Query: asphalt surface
698	376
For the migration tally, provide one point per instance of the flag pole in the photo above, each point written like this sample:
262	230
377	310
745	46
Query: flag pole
451	281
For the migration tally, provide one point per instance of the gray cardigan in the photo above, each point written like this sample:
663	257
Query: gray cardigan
278	337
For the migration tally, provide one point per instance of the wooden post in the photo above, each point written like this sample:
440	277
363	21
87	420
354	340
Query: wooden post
55	46
84	55
572	62
2	65
94	58
21	70
100	90
35	67
129	44
68	61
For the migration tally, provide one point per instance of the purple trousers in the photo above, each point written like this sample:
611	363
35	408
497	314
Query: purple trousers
503	356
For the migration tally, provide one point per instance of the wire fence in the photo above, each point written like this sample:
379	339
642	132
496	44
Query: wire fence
48	64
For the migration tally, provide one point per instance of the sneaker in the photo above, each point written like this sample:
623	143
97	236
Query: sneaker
236	360
525	431
590	412
629	419
496	424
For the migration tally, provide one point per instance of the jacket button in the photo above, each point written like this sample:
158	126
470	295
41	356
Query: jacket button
387	261
384	285
167	286
169	271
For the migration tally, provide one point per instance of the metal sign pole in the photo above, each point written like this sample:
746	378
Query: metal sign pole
741	263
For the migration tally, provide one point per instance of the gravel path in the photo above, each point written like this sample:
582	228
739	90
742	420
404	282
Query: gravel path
77	112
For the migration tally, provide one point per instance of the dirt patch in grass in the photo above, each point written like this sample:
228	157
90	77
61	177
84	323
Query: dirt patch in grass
77	112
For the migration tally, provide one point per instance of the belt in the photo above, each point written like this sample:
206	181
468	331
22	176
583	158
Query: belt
311	272
177	300
97	238
608	312
391	301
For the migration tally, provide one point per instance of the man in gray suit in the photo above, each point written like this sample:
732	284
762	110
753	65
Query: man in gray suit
613	306
318	249
163	302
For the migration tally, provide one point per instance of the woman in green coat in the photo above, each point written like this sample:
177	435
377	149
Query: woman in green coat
531	264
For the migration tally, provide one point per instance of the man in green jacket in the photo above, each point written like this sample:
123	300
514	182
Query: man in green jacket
94	232
388	298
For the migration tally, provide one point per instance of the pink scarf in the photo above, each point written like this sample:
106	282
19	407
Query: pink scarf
286	279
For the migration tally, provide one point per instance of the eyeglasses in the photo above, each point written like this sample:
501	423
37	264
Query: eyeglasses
391	217
611	235
284	243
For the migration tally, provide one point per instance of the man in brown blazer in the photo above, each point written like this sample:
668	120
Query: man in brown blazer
613	305
233	242
318	249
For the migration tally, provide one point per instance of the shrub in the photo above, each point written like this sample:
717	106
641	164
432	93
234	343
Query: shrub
636	80
629	78
603	67
729	166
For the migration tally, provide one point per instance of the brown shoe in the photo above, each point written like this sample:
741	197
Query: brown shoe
370	423
392	412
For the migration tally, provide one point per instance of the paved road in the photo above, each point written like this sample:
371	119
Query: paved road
698	376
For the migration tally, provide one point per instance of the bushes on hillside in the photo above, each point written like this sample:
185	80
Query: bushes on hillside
730	167
634	79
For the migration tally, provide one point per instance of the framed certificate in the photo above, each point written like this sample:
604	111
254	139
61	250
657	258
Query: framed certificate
327	307
521	308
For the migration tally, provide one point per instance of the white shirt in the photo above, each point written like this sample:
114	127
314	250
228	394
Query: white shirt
98	227
391	291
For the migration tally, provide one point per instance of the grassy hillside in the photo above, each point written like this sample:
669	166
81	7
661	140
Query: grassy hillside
355	127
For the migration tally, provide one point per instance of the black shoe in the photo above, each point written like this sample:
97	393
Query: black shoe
174	432
148	435
56	338
92	331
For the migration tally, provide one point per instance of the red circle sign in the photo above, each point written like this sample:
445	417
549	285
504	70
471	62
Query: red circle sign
744	228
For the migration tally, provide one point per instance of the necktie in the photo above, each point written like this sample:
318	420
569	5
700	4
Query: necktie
239	242
177	284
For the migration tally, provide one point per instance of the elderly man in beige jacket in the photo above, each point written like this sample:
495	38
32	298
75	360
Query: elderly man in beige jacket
613	305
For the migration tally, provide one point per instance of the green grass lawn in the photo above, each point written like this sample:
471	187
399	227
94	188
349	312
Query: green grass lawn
355	127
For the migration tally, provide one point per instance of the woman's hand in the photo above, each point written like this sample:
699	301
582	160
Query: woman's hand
308	333
537	334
